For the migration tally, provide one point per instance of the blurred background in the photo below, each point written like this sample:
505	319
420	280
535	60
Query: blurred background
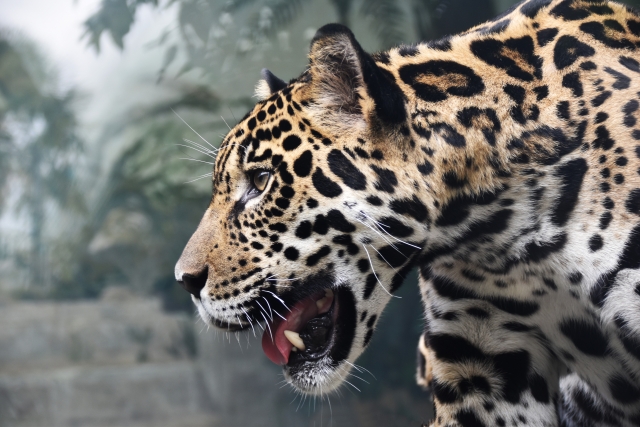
102	184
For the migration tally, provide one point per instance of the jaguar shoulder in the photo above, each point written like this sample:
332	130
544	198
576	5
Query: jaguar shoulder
503	162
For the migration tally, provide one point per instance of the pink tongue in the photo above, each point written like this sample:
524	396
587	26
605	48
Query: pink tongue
278	348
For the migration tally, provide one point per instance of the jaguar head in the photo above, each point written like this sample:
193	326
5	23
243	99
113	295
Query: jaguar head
313	222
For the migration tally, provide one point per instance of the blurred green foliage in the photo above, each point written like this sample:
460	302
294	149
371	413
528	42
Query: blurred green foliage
95	222
115	17
39	146
209	27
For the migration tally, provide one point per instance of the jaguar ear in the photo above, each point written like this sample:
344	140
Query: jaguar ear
268	85
349	86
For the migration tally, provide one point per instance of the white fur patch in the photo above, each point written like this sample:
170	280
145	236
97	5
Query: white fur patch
262	90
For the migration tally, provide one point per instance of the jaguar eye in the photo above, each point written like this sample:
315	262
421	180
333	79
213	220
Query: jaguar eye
260	179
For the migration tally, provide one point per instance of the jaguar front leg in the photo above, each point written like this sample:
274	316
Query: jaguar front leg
484	366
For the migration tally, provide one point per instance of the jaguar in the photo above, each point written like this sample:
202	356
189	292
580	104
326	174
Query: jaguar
503	163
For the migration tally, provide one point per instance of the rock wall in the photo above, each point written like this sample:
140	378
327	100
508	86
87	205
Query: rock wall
121	361
46	335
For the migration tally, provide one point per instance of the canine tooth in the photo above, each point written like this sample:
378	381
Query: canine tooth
328	294
294	339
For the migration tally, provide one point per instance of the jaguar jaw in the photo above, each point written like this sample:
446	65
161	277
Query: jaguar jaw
311	340
305	333
322	332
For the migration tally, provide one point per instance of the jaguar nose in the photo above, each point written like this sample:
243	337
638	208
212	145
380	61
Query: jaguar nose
194	283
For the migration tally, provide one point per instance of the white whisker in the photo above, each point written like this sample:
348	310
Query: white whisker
199	178
262	308
268	305
196	160
379	234
225	122
231	145
194	131
383	258
279	299
300	403
267	323
196	149
202	147
361	368
237	334
380	227
374	273
361	379
193	145
249	319
347	382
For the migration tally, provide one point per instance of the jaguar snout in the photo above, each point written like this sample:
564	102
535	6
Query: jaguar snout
193	283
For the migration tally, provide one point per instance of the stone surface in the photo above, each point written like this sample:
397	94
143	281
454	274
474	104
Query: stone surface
47	335
123	362
119	361
162	394
237	372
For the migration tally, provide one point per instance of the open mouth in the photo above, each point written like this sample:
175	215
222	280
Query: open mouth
311	339
304	334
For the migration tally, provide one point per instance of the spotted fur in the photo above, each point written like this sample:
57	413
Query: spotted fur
504	162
